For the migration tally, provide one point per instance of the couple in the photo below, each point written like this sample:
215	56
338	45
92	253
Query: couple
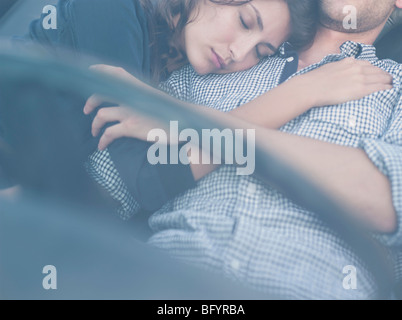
351	145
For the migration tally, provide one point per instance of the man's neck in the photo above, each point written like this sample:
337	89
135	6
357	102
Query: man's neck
328	42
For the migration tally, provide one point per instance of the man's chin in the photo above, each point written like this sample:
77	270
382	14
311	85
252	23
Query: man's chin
339	27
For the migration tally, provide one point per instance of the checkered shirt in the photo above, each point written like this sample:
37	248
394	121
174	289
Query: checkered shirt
249	231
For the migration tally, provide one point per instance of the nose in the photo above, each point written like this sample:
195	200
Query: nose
242	49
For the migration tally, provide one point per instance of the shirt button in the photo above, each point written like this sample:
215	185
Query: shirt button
290	59
352	121
235	264
251	188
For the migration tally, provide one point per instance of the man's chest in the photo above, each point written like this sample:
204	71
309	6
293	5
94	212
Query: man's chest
344	124
350	122
230	91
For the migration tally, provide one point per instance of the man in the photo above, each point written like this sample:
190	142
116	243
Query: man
251	232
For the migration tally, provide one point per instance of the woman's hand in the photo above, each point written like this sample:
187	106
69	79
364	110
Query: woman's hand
343	81
129	123
117	72
12	193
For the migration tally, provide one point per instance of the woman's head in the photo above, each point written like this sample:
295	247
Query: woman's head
227	38
221	36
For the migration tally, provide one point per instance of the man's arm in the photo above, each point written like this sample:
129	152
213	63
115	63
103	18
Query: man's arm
346	173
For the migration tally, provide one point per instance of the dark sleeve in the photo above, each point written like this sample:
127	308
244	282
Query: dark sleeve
150	185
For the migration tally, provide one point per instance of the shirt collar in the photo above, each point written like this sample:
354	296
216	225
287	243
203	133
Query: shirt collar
348	49
286	50
358	50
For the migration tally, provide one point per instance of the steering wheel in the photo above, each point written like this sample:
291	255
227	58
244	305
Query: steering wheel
21	67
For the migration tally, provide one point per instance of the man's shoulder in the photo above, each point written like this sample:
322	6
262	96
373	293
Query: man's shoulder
390	66
369	53
270	67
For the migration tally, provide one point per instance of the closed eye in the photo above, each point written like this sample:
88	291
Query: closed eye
243	23
259	55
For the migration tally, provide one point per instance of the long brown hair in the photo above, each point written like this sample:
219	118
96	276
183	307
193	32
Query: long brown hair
165	30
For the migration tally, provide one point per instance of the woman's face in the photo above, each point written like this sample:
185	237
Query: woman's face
224	39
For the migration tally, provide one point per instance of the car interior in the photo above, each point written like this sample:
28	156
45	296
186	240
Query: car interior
102	257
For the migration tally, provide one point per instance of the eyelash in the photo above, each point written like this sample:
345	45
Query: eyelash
259	56
245	26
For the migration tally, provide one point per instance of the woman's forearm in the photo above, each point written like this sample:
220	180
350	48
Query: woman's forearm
332	84
278	106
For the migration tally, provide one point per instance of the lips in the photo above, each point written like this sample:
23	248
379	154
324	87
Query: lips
217	60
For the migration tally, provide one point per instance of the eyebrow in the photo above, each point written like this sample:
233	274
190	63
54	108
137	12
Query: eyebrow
259	20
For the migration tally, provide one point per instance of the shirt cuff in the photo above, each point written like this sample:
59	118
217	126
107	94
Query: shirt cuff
388	159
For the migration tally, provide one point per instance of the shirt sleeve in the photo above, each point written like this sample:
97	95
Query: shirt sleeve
150	185
386	154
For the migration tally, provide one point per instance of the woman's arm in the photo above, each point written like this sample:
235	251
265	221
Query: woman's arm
331	84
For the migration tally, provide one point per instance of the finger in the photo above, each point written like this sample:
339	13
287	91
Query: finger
111	134
102	68
373	69
97	66
372	88
349	60
379	78
360	62
112	71
107	115
379	87
92	103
